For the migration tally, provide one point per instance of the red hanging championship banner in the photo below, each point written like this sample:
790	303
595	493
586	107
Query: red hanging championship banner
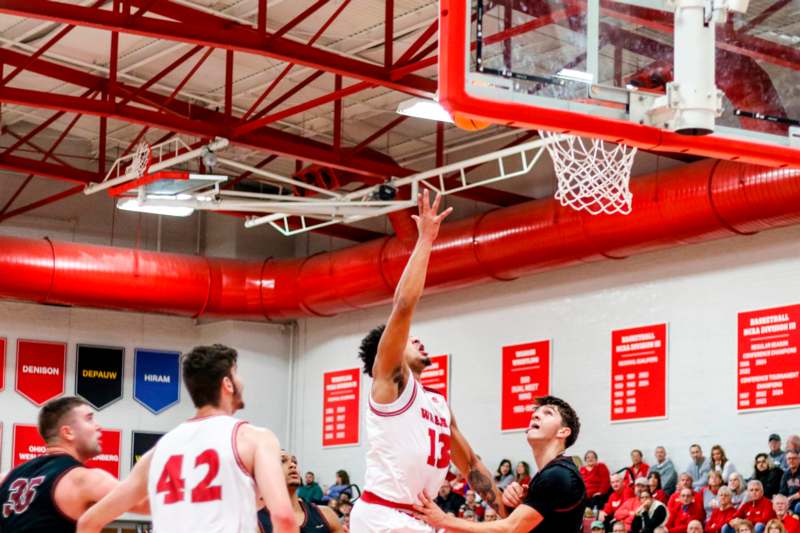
27	444
41	369
108	459
3	344
526	376
639	373
768	374
341	402
437	375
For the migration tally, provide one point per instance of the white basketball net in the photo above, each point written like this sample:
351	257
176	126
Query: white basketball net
592	175
139	162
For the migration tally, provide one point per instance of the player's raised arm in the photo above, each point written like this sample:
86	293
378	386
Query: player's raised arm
269	478
124	497
480	478
389	359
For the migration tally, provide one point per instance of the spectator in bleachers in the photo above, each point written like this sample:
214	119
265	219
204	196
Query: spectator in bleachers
597	479
490	515
685	512
722	513
775	451
523	473
757	509
310	491
720	463
342	485
744	526
638	467
685	481
471	505
695	526
780	504
619	493
627	511
448	500
504	476
699	467
710	491
654	484
666	469
775	526
792	443
661	529
618	527
768	474
738	489
790	481
651	514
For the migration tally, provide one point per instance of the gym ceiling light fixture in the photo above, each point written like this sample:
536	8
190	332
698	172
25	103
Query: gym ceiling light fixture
422	108
134	204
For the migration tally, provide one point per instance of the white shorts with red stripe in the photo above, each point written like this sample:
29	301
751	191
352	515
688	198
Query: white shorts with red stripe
373	518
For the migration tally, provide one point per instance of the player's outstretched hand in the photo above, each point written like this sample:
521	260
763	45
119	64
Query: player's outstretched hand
429	512
429	219
514	494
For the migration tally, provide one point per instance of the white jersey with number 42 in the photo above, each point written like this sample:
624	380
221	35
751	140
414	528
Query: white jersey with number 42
408	444
197	481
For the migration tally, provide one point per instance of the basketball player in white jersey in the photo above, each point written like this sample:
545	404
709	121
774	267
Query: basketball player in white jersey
412	435
204	474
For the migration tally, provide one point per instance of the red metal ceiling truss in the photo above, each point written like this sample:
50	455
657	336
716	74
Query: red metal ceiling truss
155	111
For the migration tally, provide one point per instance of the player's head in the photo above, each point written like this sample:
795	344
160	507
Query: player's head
69	422
210	375
290	472
553	418
414	353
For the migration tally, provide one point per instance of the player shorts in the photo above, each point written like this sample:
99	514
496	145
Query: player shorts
373	518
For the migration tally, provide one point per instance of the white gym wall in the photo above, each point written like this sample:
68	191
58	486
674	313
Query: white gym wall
698	290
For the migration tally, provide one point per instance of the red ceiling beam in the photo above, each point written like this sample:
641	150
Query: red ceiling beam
207	124
369	140
299	18
161	75
43	202
219	33
23	165
21	140
416	45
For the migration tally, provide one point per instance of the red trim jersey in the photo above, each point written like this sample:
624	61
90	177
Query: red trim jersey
197	481
718	519
408	444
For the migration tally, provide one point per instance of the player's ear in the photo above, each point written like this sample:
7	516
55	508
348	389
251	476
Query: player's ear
66	433
227	384
564	432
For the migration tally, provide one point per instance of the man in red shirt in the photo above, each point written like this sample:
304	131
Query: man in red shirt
780	504
626	512
685	513
723	513
685	481
757	509
621	492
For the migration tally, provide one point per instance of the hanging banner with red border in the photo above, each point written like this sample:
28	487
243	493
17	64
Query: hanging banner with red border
639	373
108	459
341	403
3	344
437	375
768	373
40	370
526	376
27	444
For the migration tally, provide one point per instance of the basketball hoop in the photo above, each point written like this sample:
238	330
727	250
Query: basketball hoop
592	175
139	162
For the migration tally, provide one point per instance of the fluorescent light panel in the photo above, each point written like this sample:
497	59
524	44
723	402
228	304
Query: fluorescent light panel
422	108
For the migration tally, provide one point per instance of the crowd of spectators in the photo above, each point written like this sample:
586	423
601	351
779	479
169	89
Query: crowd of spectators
709	495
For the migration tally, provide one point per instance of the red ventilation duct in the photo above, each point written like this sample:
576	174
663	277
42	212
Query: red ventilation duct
692	203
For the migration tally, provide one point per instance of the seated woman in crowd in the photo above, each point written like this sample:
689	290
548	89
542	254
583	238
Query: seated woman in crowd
650	515
720	463
738	489
744	526
504	476
342	485
768	474
654	481
597	479
775	526
710	491
723	512
523	473
638	468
